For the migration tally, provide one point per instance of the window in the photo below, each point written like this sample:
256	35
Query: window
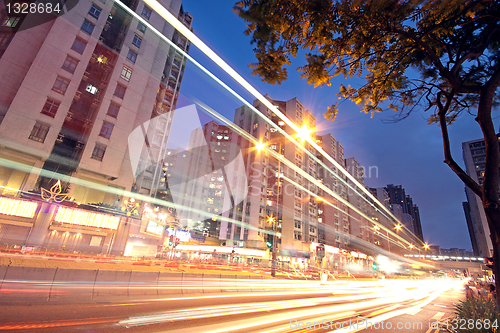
106	130
141	27
70	64
95	11
10	21
50	108
120	90
4	38
113	110
91	89
79	45
146	12
60	85
137	41
132	56
98	152
126	73
87	27
39	132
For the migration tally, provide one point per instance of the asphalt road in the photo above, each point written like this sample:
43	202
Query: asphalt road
304	307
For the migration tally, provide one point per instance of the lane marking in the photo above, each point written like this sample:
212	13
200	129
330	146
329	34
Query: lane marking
414	312
438	315
442	306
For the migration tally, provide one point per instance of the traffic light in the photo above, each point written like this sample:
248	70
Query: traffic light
171	240
374	266
320	252
269	240
489	262
177	241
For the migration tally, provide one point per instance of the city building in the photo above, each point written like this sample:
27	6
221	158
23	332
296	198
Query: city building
84	82
397	196
475	157
208	191
355	169
382	195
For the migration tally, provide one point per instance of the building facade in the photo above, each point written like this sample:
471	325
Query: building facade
474	155
397	196
84	82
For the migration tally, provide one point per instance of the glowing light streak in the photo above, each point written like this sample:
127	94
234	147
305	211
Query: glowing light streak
16	207
383	293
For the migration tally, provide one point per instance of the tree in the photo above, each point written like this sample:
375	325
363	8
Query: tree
442	56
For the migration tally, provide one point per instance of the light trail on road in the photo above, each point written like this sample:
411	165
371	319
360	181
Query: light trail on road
256	311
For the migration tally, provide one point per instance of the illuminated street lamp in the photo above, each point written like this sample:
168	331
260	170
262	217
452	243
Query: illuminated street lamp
304	133
398	227
259	146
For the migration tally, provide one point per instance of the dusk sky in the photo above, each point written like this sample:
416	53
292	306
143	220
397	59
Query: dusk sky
407	153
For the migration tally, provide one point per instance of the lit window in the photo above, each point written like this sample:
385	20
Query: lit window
126	73
91	89
50	108
95	11
146	12
106	130
10	21
70	64
98	152
137	41
61	85
113	110
141	27
79	45
39	132
131	56
87	27
120	90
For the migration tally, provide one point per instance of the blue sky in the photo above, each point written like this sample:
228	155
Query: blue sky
407	153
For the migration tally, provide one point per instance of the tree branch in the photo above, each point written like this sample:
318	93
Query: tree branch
437	62
448	159
473	55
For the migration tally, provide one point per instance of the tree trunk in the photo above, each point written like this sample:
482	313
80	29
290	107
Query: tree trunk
494	220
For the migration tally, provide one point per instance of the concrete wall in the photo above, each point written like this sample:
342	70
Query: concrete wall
32	284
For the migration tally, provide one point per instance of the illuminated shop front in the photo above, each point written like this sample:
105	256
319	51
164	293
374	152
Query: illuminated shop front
81	230
17	217
54	227
146	235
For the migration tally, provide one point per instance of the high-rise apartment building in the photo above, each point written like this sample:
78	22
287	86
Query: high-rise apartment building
208	189
474	155
75	88
355	169
397	196
334	222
